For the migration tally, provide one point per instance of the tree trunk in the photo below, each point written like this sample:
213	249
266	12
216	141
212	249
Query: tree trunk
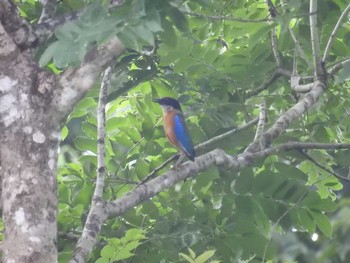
28	157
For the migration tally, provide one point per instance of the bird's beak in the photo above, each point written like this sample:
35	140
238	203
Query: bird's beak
156	100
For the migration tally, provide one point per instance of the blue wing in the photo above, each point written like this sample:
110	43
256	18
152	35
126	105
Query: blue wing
183	136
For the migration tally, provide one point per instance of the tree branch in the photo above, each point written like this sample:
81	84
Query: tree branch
315	40
323	167
263	86
93	225
18	28
338	66
227	18
275	48
294	112
191	169
200	146
75	82
261	124
334	32
49	9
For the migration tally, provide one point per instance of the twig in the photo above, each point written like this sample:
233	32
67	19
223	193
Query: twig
198	147
49	9
338	66
315	40
334	32
296	42
323	167
228	18
265	85
261	124
225	135
297	45
275	48
286	212
272	9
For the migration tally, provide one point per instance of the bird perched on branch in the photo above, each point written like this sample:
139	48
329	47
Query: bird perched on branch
175	127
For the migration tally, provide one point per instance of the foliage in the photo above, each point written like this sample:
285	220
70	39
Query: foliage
212	65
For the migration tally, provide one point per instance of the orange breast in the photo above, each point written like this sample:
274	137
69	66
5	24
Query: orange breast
169	128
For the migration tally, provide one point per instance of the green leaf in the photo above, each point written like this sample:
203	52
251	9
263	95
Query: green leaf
102	260
123	254
187	258
244	181
108	251
205	256
322	222
306	220
290	171
178	19
64	132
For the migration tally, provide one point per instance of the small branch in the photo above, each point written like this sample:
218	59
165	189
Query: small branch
272	9
275	48
338	66
200	146
315	40
227	18
295	40
225	135
49	9
299	48
261	124
323	167
334	32
258	139
263	86
93	225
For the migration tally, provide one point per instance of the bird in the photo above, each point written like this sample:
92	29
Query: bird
175	128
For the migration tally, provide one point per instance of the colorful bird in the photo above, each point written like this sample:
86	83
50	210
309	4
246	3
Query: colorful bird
175	127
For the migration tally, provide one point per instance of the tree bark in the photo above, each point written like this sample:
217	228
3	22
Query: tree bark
28	153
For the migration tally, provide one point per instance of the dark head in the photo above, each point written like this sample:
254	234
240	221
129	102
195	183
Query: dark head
168	103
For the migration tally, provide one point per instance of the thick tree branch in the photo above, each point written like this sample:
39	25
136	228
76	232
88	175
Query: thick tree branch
315	40
75	82
334	32
87	239
191	169
18	28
